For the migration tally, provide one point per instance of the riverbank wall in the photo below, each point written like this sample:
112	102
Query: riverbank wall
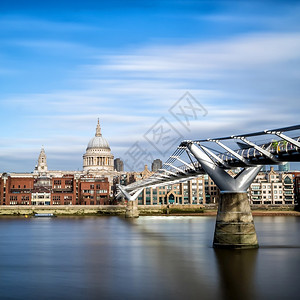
82	210
98	209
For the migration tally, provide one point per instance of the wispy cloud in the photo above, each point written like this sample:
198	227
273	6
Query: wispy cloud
245	83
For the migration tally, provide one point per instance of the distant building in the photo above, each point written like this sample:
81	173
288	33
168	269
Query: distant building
190	192
98	156
272	188
284	168
24	189
156	165
42	162
118	165
268	188
90	186
296	180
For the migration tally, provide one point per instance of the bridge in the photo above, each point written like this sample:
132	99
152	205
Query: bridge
215	156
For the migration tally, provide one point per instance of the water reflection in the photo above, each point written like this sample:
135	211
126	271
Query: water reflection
147	258
176	272
236	273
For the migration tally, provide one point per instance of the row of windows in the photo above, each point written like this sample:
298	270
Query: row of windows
19	186
97	192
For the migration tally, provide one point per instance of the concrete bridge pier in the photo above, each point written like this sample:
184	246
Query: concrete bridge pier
234	225
132	204
132	210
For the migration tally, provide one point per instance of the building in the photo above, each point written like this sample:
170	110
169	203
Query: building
156	165
97	183
93	191
297	191
284	167
98	156
119	165
269	188
46	190
91	186
190	192
272	188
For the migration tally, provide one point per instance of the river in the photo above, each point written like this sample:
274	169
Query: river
146	258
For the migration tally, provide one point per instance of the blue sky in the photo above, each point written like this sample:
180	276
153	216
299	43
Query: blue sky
66	63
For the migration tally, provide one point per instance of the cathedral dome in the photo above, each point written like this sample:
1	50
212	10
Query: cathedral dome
98	156
98	141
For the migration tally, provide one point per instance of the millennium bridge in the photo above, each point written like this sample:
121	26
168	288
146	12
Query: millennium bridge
234	224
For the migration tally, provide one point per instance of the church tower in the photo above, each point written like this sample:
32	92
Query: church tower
42	162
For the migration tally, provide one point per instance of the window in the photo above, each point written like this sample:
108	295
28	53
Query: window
287	180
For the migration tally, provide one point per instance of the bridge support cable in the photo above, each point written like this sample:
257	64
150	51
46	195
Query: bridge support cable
258	148
232	152
234	225
284	137
176	168
183	162
217	158
167	171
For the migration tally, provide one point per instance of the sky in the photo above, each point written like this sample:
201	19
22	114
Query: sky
234	66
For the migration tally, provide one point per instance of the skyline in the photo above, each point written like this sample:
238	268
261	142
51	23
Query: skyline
64	65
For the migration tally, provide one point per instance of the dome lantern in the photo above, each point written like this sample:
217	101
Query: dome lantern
98	129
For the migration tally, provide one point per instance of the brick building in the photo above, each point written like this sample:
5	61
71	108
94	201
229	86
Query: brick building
43	190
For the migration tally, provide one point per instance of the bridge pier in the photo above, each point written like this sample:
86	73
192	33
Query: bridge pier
132	209
234	224
132	204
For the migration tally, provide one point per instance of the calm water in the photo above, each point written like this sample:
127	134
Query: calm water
146	258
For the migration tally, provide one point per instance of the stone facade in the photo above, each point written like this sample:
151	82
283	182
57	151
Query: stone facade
275	188
98	156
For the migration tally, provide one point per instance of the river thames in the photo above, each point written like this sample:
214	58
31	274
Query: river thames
146	258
